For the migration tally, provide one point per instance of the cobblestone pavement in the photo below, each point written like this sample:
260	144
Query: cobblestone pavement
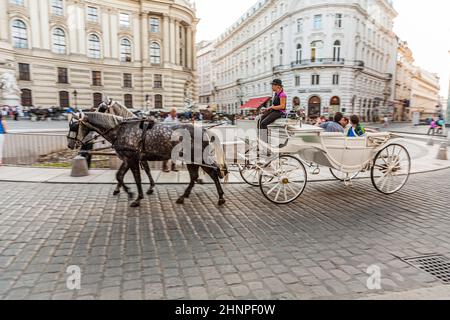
316	248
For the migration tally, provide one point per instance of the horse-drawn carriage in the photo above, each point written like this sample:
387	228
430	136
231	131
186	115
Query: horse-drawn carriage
282	175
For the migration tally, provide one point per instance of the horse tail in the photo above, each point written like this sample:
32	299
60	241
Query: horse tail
220	156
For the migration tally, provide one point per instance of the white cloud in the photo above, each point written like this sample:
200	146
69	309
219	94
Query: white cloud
424	24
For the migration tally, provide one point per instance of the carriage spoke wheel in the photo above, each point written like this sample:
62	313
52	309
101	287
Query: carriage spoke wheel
391	169
283	180
250	170
341	176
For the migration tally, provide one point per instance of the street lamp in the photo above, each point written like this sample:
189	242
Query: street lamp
75	95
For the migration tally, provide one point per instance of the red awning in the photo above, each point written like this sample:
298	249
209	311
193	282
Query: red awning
255	103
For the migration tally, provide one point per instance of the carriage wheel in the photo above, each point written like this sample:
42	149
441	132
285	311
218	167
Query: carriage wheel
283	180
341	176
250	170
391	169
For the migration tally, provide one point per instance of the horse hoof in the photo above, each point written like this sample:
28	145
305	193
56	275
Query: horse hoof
221	202
150	192
116	192
135	204
180	201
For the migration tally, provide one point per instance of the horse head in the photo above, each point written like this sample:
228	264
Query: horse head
77	131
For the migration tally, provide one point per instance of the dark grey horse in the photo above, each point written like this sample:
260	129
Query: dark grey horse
113	107
126	137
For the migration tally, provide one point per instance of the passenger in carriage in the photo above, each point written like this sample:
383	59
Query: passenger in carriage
346	125
333	126
356	129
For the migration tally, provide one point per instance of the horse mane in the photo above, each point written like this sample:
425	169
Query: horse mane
121	111
108	120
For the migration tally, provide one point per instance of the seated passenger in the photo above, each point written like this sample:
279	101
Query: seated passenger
356	129
346	124
333	126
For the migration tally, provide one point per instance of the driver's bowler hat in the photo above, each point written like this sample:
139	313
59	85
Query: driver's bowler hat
277	82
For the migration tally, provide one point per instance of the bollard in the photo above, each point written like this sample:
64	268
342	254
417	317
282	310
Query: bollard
442	154
430	142
79	167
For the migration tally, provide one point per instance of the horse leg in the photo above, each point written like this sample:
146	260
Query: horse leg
149	175
193	173
215	177
120	179
137	177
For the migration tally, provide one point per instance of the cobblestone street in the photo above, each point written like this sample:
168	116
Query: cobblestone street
318	247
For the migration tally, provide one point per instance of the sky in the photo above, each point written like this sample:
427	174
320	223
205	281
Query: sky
425	25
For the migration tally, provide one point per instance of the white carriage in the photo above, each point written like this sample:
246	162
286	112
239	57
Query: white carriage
282	176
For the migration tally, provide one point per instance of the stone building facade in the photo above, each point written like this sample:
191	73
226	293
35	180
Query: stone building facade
206	73
331	55
66	52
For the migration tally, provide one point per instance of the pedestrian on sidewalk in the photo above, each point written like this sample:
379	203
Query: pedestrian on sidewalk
172	118
3	131
433	127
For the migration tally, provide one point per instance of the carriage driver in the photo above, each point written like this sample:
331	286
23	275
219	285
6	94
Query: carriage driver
276	111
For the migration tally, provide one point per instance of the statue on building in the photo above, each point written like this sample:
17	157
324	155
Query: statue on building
10	91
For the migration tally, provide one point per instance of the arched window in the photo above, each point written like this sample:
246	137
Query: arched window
316	51
158	101
59	41
337	51
64	99
97	99
27	99
314	106
128	100
19	34
94	50
335	101
298	54
155	53
125	50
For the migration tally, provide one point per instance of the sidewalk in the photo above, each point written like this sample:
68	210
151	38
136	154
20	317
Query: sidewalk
423	160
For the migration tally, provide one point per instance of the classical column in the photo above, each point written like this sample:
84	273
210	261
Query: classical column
106	41
4	28
177	43
34	23
81	30
166	39
144	37
172	41
189	46
72	21
45	28
113	23
194	48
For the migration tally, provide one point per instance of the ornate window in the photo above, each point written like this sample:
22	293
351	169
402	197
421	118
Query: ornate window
19	34
94	50
125	50
155	53
298	53
59	41
64	99
158	101
128	99
337	51
17	2
154	25
57	7
316	50
27	99
92	14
